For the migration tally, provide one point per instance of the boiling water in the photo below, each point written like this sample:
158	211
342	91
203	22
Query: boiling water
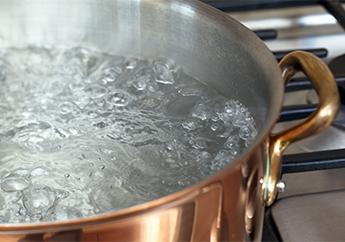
84	132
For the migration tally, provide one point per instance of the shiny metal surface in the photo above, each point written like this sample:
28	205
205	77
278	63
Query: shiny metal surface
210	46
313	182
313	217
281	186
298	28
323	82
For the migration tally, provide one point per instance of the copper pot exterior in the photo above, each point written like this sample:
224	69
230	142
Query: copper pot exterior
226	208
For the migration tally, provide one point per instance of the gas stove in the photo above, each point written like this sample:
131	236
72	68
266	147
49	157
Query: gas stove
312	207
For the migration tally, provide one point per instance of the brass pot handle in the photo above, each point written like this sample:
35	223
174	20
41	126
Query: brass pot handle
324	84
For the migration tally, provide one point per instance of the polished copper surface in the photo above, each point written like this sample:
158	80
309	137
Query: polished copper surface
323	81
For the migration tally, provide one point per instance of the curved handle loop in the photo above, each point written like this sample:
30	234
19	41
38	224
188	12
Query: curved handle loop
324	84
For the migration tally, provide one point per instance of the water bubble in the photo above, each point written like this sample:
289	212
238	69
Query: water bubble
201	111
232	109
38	200
151	103
171	146
4	219
61	194
14	183
66	108
22	211
215	118
223	156
21	172
244	132
74	131
239	121
247	132
2	202
141	82
101	125
3	73
110	74
39	171
203	157
63	213
198	143
59	131
130	64
215	126
232	143
247	143
164	74
82	157
37	61
82	102
73	68
189	125
102	167
92	114
106	202
96	91
119	99
186	92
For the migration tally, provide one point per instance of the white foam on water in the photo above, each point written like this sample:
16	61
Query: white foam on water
84	132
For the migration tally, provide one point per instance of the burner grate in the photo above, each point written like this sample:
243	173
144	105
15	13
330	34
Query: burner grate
247	5
313	161
320	52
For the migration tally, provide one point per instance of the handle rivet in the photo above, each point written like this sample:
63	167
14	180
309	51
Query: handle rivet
261	181
280	186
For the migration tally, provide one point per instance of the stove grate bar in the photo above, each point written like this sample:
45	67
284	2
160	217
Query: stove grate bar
267	34
313	161
320	52
296	112
302	83
247	5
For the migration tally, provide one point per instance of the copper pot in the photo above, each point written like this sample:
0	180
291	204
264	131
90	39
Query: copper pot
210	45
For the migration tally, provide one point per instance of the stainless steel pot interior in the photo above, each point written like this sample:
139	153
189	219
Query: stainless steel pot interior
208	44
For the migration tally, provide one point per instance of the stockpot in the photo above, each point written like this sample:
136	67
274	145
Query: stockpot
211	46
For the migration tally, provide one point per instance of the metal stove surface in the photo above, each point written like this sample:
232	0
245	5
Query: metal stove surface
314	217
297	28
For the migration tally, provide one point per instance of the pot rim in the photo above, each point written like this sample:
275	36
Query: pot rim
170	200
